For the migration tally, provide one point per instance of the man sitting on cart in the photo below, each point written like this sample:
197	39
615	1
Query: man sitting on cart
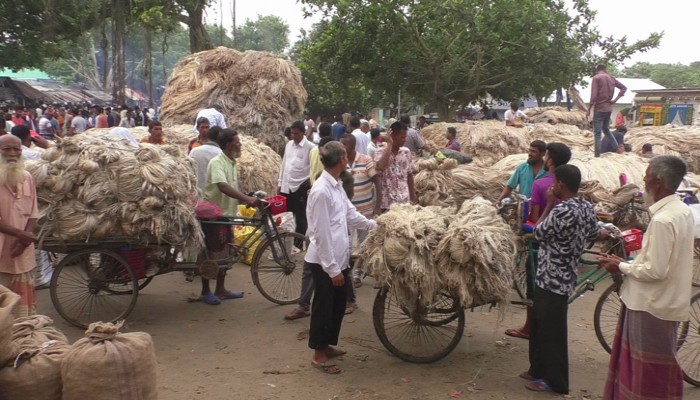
222	189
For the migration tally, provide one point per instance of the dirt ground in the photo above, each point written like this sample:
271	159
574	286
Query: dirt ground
244	349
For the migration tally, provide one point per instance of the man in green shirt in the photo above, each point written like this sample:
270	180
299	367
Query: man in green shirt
527	172
222	189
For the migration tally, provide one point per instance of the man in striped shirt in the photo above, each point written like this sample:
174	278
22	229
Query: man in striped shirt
367	190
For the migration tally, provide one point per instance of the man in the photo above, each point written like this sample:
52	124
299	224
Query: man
602	98
373	144
451	137
155	133
315	166
18	215
137	116
422	123
67	122
128	121
360	137
45	129
606	145
557	155
367	193
213	115
515	117
25	137
145	119
338	129
414	141
222	189
102	120
331	215
562	231
395	163
203	126
78	124
527	172
655	293
205	153
293	182
116	117
310	126
647	151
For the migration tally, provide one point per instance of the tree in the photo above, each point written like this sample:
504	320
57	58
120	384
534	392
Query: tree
668	75
447	53
267	33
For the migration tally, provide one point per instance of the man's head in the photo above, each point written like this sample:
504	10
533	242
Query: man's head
108	110
398	134
298	130
374	134
514	106
324	130
364	126
421	120
155	128
307	116
557	155
213	133
11	164
600	68
354	123
334	156
22	132
339	118
230	143
451	133
663	176
349	141
647	148
202	127
405	119
536	152
567	180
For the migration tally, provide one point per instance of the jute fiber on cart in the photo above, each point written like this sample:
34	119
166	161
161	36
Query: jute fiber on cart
35	373
8	299
258	165
682	141
97	186
260	93
109	365
475	256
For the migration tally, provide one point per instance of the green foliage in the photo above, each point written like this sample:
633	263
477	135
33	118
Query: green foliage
668	75
267	33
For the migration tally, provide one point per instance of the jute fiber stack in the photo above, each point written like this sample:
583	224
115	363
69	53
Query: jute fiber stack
433	182
683	142
35	373
8	299
260	93
569	135
476	254
468	181
109	365
558	115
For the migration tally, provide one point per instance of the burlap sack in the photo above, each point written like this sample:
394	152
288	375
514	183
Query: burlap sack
107	365
7	303
35	329
35	374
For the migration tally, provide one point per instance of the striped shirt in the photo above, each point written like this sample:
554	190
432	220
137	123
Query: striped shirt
362	173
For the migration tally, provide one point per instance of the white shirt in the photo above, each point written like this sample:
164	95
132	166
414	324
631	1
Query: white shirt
30	154
361	141
79	124
330	213
310	125
202	155
659	280
215	118
510	116
295	165
127	123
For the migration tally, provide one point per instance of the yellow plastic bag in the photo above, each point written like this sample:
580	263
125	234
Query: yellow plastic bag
241	233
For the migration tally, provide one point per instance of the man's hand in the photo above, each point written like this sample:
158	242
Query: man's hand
18	247
338	280
251	201
551	198
279	190
26	238
389	140
603	234
611	263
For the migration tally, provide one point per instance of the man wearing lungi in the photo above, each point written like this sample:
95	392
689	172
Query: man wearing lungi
18	214
655	293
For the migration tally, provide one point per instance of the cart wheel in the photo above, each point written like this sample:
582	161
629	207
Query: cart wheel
607	315
696	263
422	336
93	285
278	267
688	352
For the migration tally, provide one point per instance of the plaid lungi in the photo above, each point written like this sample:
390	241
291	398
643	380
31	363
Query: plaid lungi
23	285
643	363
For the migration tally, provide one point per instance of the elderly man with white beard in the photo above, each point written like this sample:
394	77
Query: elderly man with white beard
18	214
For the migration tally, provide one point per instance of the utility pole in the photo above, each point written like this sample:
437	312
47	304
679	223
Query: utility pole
233	31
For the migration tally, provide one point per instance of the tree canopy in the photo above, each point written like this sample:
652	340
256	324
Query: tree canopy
668	75
266	33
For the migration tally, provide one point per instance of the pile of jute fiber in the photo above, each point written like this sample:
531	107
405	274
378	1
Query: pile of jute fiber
259	92
98	186
558	115
683	141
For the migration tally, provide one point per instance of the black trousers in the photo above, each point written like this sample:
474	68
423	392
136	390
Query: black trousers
296	204
327	309
549	352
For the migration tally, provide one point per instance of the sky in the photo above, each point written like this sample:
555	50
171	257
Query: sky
632	18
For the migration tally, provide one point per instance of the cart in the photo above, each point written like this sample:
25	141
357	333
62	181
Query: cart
100	280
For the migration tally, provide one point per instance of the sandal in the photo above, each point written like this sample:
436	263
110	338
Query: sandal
517	333
296	314
230	295
526	375
327	367
210	299
538	385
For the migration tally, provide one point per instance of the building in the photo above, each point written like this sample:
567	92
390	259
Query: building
668	106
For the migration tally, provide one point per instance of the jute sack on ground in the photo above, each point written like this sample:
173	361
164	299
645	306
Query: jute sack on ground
35	373
7	302
109	365
36	329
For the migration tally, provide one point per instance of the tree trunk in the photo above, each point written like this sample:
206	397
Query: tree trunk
148	68
199	38
104	47
119	10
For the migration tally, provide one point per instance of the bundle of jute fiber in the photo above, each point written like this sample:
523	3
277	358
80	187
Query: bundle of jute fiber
37	329
682	141
98	186
467	181
109	365
558	115
8	300
432	181
486	141
475	256
569	135
400	252
35	373
259	93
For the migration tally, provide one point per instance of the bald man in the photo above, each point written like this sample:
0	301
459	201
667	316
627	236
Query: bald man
18	214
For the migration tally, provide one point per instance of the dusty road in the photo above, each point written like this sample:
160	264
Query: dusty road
244	349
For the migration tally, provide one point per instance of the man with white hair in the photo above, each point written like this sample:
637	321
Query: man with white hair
18	215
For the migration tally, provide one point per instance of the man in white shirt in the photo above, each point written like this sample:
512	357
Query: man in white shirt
293	181
78	123
204	153
331	215
361	140
655	293
515	117
310	127
214	115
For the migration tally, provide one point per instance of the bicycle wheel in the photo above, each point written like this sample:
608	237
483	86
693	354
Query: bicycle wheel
520	274
606	315
424	335
688	352
696	263
93	285
278	267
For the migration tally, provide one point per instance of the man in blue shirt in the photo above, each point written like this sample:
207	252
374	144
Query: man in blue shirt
607	145
338	129
527	172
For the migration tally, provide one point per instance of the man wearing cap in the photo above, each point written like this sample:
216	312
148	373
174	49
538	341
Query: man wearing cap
607	145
